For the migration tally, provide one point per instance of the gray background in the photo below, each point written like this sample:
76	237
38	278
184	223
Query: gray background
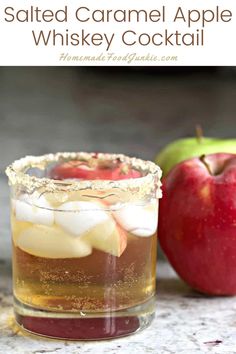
134	111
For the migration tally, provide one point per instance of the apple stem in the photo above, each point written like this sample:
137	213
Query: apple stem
203	160
199	133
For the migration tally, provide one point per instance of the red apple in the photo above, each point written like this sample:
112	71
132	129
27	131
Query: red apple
95	170
197	224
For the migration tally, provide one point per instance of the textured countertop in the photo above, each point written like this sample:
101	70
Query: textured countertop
185	323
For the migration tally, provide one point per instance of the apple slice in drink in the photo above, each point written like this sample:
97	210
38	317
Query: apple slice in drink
91	222
51	242
107	237
17	227
78	217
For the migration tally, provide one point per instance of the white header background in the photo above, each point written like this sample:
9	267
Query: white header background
18	46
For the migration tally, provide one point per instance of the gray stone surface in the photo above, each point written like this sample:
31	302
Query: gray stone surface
54	109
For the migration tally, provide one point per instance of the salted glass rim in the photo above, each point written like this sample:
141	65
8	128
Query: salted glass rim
17	174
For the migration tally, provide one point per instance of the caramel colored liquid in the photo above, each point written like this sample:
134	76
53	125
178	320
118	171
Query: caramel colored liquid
98	282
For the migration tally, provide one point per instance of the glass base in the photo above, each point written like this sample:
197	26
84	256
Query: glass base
84	325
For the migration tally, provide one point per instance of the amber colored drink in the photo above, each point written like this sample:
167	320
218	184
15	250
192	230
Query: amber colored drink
84	251
98	282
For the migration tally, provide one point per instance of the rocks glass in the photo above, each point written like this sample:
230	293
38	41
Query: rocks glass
84	244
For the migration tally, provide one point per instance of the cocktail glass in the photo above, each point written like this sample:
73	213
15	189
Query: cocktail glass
84	245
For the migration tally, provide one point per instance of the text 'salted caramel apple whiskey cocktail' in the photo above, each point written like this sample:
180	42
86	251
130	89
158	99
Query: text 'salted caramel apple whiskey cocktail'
84	243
